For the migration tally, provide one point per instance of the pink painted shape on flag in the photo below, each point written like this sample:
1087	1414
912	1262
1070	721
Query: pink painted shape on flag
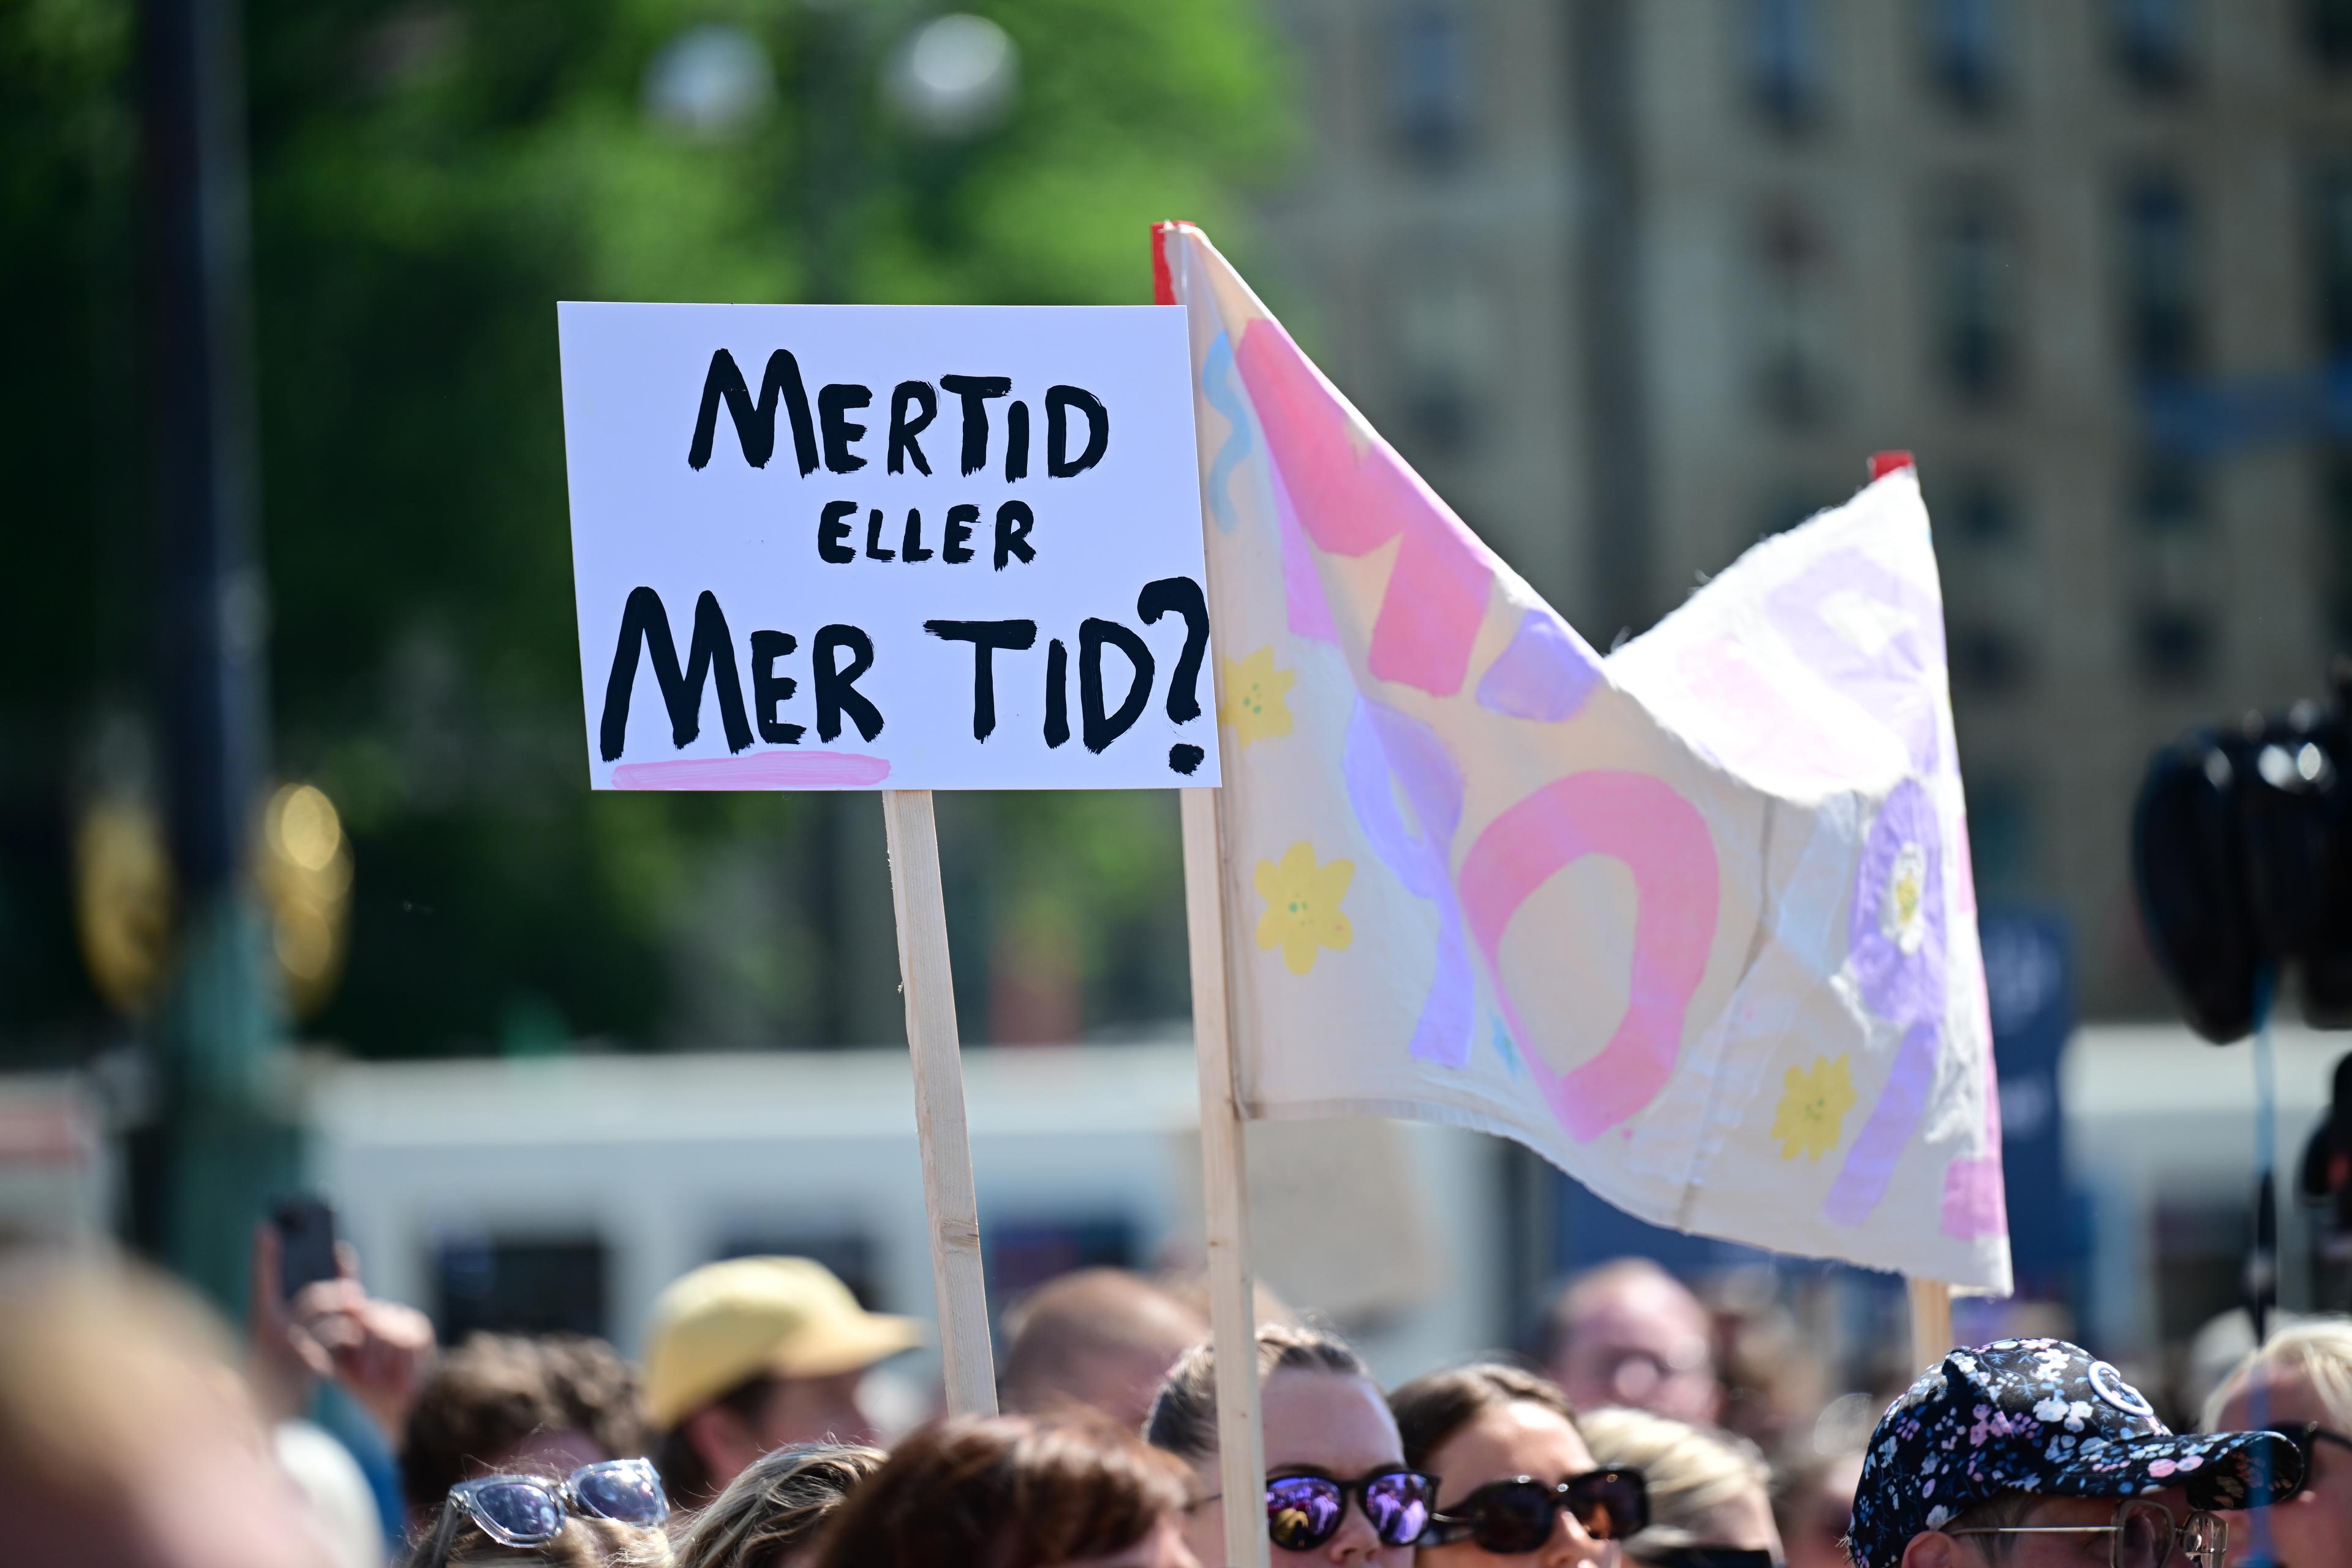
1644	822
1353	503
756	770
1975	1206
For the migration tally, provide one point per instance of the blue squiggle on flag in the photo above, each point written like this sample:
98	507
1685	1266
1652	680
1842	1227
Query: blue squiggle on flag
1217	386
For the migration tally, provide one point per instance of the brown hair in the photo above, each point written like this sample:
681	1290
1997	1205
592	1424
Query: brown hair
581	1544
1431	1408
494	1391
1184	1418
1005	1491
777	1506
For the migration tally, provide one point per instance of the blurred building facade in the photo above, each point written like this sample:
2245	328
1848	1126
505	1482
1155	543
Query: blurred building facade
1634	282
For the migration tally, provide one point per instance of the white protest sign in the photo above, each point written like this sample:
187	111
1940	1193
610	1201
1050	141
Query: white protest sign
888	547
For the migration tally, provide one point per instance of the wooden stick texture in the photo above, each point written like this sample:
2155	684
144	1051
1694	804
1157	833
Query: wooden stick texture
1931	1322
1224	1191
924	975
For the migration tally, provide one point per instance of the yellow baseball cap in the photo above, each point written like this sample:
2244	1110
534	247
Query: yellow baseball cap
726	1323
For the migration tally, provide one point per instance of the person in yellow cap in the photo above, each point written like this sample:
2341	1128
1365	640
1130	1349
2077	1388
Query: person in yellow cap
747	1355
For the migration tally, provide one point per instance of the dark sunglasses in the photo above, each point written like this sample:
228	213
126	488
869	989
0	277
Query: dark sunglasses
1713	1557
530	1511
2306	1436
1519	1515
1302	1512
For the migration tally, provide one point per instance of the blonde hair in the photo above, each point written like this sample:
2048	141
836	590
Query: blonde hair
1691	1472
777	1506
2319	1350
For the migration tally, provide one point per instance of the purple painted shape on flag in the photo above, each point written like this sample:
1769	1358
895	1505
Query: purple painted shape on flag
1892	683
1304	604
1383	744
1870	1163
1903	985
1545	673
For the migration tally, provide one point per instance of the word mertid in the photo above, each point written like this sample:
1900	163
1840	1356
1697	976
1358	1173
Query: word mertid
840	655
1077	434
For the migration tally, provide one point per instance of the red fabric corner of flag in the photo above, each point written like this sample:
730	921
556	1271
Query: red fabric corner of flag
1163	281
1885	463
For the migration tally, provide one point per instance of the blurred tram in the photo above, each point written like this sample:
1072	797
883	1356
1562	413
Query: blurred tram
562	1193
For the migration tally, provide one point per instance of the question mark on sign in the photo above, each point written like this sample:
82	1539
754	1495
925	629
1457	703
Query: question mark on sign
1182	595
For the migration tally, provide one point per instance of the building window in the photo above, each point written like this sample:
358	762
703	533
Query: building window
1987	660
2335	528
2174	640
1784	61
2327	32
2001	834
1446	347
2173	645
2153	42
1979	535
1431	70
1964	51
1976	272
2332	258
2168	497
1983	516
1792	316
529	1285
2159	279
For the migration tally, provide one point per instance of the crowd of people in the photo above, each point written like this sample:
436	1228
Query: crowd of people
135	1433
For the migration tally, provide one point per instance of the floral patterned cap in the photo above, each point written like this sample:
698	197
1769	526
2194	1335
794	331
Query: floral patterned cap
2041	1415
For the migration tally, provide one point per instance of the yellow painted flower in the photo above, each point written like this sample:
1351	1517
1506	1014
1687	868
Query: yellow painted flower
1254	692
1302	905
1814	1107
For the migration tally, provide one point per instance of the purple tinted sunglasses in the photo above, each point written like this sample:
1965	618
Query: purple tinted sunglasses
1302	1512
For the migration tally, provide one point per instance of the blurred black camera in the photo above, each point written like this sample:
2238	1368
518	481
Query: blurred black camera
2241	852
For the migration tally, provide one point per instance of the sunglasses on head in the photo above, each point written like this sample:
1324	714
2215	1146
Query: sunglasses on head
530	1511
1519	1515
1302	1512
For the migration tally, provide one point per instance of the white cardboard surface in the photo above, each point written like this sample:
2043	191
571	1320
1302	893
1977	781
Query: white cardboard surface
643	517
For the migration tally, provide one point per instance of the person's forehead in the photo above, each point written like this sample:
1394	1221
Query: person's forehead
1508	1440
2285	1393
1330	1420
1640	1309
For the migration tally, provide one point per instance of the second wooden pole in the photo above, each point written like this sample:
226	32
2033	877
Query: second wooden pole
968	1362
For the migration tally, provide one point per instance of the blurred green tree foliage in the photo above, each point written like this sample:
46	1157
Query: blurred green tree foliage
428	180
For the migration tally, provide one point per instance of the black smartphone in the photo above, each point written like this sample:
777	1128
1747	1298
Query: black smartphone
305	1242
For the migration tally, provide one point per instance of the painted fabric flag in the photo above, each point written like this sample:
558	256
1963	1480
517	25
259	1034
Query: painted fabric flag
1695	922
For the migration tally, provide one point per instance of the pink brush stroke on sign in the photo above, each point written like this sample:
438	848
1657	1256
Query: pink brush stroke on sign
1645	823
1352	503
756	770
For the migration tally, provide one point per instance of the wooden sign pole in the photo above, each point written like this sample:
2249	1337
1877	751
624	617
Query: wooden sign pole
1224	1190
969	1365
1931	1322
